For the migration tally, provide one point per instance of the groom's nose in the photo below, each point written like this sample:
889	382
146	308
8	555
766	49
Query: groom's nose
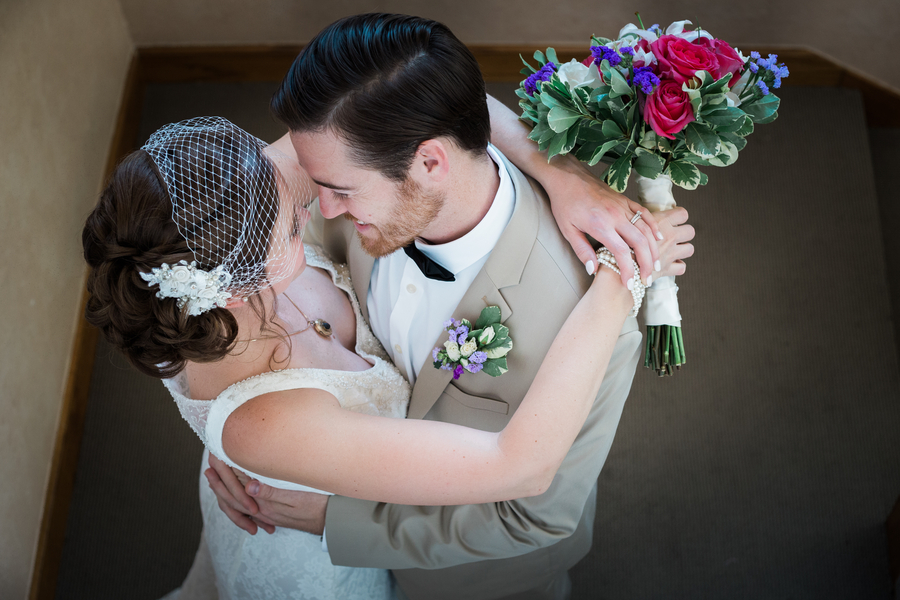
330	206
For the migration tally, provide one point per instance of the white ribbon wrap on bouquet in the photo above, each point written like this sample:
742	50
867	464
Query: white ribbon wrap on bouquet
661	301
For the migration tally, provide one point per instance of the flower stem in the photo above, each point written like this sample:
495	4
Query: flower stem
640	22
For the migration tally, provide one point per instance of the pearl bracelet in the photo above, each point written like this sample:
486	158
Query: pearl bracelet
606	258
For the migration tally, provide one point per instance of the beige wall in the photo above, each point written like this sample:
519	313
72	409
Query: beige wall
62	68
865	37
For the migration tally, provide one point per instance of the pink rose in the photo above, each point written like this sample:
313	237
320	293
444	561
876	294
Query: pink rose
729	60
668	109
680	59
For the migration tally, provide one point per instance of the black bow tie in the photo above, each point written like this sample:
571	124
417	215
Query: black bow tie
429	268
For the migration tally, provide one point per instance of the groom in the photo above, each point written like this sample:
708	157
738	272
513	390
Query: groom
388	116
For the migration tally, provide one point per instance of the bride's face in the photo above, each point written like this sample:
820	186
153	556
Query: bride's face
294	195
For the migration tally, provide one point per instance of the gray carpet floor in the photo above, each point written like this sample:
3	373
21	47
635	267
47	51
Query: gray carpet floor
764	469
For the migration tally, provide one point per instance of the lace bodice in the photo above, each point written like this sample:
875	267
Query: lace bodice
379	390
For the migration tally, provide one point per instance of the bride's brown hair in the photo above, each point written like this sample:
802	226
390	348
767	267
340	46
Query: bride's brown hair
131	230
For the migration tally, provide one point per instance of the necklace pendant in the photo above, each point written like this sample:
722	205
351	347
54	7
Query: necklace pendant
323	328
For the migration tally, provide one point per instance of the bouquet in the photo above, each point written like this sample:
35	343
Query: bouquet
661	104
482	347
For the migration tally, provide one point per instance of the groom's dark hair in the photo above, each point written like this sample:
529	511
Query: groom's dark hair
384	84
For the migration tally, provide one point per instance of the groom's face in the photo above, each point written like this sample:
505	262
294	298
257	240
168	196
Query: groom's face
387	215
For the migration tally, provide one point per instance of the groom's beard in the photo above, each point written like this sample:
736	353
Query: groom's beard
413	212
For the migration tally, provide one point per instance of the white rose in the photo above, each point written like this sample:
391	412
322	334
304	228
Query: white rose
452	350
181	274
468	348
574	74
208	293
733	95
486	336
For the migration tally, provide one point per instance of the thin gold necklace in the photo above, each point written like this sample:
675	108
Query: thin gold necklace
320	326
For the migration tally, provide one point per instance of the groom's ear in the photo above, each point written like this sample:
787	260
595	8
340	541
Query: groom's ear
432	161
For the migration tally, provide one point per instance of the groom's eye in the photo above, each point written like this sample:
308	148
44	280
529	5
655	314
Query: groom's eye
339	195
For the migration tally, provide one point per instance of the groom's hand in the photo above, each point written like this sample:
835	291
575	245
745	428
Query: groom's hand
283	508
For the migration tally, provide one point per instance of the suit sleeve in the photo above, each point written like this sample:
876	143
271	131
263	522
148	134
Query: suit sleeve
371	534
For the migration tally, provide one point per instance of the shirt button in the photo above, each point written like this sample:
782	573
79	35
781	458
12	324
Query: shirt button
411	289
398	349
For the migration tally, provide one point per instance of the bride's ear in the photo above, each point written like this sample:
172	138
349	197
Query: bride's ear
234	303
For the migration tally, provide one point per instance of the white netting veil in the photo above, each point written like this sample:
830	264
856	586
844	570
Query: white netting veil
239	204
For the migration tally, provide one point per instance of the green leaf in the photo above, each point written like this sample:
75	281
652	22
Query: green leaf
617	176
703	178
746	127
620	87
551	56
724	116
764	110
495	367
611	129
602	150
701	140
560	119
523	95
727	157
649	164
528	66
586	150
571	140
488	316
556	145
739	142
591	132
684	174
539	56
648	139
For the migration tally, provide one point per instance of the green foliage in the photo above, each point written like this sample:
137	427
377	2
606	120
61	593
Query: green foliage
606	123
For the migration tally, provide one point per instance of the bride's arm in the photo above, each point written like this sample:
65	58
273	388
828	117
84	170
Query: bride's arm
580	202
380	458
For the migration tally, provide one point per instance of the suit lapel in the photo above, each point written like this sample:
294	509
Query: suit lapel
503	269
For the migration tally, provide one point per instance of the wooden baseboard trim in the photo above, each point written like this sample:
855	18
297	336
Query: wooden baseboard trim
75	398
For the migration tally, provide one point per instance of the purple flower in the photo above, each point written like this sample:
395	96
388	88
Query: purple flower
754	67
644	77
462	332
448	323
762	85
434	354
474	367
478	357
777	83
453	335
543	74
782	71
627	50
754	55
457	371
763	63
446	367
655	28
605	53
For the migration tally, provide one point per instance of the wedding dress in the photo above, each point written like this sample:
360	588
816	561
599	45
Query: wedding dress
291	564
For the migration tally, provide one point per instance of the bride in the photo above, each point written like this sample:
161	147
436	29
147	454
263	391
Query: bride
198	275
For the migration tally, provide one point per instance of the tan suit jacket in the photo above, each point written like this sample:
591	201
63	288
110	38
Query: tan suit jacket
497	549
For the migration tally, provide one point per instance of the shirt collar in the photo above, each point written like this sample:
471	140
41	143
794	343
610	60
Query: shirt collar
463	252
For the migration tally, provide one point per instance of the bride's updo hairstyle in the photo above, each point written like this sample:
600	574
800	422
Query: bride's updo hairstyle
200	191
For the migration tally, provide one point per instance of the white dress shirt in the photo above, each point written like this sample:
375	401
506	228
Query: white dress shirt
407	310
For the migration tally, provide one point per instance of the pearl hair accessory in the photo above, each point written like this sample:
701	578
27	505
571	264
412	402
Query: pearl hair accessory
638	289
198	290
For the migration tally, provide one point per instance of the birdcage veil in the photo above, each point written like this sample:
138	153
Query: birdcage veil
235	201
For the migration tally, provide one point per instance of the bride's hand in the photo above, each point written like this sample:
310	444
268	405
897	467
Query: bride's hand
675	246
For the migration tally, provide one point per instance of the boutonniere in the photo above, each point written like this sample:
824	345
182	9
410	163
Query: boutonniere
480	348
